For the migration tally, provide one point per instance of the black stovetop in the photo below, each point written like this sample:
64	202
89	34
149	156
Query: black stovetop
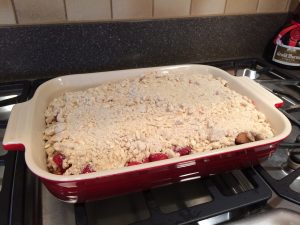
24	200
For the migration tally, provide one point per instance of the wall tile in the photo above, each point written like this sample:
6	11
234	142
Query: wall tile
172	8
7	15
88	9
40	11
270	6
293	4
241	6
132	9
49	11
207	7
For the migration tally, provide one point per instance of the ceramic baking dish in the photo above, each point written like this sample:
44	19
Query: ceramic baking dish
26	125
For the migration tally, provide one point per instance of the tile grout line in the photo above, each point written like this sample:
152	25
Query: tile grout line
15	11
257	4
111	10
191	7
65	8
152	8
226	2
288	2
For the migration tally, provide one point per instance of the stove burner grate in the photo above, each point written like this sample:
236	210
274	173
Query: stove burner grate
22	200
282	186
248	196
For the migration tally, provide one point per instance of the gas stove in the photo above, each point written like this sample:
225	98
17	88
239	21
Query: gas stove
262	194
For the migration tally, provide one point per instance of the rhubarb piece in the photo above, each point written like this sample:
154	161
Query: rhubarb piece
146	160
183	150
157	157
58	159
87	169
133	163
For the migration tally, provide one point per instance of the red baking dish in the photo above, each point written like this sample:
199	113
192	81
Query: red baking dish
26	125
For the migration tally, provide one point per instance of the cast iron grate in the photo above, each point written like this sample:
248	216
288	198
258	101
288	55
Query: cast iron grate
8	162
221	203
256	64
282	186
20	198
10	94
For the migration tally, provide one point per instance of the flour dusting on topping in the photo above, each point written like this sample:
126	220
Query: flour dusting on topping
156	116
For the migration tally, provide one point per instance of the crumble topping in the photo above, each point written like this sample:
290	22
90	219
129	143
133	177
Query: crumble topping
156	116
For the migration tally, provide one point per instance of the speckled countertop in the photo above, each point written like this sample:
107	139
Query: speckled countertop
52	50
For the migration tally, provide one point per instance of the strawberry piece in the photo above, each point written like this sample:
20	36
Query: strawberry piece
183	150
157	157
133	163
58	159
87	169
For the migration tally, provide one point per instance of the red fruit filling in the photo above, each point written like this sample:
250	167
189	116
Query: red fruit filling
88	169
58	159
157	157
146	160
133	163
183	150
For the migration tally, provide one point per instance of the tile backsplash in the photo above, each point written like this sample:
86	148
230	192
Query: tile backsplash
81	10
7	15
54	11
265	6
207	7
132	9
242	6
39	11
171	8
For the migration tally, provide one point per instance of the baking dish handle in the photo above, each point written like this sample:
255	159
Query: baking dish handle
270	98
17	127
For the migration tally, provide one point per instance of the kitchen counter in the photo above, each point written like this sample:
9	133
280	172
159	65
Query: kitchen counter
39	51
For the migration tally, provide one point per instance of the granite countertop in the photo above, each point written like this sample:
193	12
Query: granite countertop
40	51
